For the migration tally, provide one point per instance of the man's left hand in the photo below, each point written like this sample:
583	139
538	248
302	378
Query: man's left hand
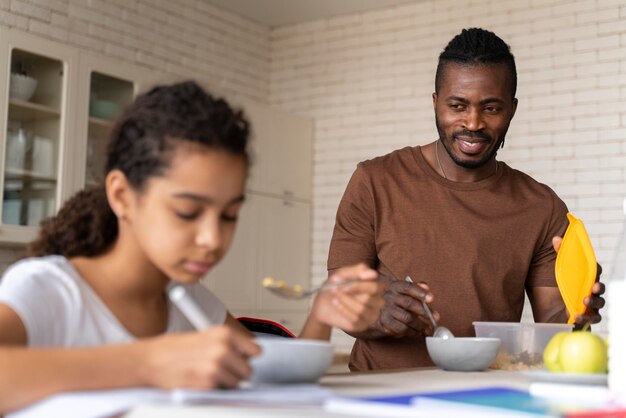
594	302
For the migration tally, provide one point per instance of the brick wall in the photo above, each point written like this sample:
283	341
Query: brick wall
367	80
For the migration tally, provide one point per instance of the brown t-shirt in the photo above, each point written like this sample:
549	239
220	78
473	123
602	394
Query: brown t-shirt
477	245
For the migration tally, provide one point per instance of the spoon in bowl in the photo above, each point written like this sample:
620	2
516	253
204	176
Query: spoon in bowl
438	331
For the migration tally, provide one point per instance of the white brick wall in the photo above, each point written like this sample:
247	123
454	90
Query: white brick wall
367	81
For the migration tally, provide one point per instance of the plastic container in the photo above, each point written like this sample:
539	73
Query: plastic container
522	344
616	294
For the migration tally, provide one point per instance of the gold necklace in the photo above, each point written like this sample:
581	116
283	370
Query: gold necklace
441	167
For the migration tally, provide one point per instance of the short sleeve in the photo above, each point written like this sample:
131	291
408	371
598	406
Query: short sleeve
541	272
44	304
353	238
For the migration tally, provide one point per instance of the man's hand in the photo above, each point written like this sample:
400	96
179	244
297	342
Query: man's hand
594	302
403	313
353	307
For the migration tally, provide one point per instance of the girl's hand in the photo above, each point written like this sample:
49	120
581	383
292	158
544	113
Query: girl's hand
215	358
353	307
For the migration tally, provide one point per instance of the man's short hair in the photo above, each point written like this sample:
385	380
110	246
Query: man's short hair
477	46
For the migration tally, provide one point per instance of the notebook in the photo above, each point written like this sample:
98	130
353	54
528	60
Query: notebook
485	402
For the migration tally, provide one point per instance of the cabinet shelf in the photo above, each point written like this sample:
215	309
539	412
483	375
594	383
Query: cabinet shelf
100	123
23	111
20	174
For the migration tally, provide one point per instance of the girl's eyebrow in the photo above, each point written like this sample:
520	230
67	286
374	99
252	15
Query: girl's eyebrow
206	199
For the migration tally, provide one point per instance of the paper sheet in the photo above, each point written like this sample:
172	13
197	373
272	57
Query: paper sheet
101	404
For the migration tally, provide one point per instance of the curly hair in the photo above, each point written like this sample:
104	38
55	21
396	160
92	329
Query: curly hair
141	146
477	46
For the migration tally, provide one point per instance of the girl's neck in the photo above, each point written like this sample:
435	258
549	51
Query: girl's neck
122	272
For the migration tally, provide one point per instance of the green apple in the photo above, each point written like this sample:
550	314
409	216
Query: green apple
551	353
576	352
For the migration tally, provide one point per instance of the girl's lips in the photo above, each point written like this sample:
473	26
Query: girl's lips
197	267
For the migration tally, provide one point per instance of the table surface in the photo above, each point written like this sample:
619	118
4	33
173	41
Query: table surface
350	384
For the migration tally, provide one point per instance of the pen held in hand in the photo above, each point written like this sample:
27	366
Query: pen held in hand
185	303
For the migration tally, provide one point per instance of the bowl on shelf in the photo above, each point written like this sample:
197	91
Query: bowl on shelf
522	343
103	109
290	360
462	354
22	86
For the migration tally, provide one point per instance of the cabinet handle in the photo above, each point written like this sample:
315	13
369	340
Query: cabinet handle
287	203
288	193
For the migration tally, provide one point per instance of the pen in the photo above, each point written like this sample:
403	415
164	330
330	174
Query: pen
179	297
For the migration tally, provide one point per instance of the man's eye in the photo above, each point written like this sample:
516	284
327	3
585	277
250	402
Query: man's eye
491	109
456	106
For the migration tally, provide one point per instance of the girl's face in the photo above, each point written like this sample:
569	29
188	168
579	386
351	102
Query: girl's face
184	221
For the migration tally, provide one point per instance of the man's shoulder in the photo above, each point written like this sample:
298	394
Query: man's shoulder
522	177
390	161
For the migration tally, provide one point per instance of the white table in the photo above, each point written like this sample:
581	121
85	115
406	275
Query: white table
350	384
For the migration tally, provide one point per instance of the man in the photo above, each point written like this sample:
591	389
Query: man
473	233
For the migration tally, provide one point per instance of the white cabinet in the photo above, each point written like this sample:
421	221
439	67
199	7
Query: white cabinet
106	88
58	103
36	116
281	151
273	237
284	252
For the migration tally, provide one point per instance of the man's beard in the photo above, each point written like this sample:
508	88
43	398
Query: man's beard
464	163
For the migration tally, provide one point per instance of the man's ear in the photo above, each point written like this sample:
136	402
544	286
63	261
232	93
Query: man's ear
514	107
119	193
435	101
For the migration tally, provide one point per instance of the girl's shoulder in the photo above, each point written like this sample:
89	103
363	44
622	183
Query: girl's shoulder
38	266
52	272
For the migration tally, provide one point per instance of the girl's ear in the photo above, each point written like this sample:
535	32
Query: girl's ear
119	193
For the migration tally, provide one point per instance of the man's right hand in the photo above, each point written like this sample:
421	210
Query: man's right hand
403	313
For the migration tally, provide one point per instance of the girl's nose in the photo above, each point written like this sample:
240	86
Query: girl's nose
209	235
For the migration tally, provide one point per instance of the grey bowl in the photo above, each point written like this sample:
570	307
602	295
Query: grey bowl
463	354
291	360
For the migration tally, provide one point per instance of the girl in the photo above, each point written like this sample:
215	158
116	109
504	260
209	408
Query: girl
88	309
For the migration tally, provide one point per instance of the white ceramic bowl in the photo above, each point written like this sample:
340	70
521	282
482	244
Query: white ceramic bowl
22	86
291	360
104	109
463	354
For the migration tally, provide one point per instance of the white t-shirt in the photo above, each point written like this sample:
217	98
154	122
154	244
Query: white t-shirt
59	309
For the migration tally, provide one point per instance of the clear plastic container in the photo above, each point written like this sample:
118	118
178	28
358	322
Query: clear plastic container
522	344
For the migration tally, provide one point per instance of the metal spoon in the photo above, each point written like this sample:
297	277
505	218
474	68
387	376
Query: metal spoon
289	291
438	331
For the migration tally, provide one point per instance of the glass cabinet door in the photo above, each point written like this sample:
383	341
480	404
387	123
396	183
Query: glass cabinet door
108	97
33	135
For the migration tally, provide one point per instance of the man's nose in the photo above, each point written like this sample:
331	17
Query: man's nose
473	120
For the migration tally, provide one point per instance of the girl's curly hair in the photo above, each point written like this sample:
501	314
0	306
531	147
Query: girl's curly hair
141	146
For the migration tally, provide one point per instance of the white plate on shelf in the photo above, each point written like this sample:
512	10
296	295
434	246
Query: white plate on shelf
571	378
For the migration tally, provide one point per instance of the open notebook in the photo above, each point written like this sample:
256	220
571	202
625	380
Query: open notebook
105	403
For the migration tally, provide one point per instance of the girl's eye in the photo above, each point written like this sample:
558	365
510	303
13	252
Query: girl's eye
187	216
229	218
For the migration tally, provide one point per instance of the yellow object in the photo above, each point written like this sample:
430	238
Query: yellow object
575	267
268	281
